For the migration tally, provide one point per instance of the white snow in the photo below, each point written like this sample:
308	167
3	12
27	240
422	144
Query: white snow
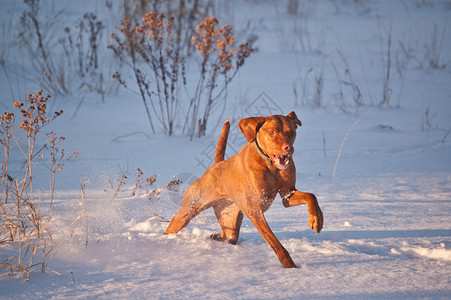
387	232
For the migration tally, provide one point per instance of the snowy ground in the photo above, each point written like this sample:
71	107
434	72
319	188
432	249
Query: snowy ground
387	230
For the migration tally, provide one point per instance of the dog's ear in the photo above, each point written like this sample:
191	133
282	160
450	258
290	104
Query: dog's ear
292	115
249	126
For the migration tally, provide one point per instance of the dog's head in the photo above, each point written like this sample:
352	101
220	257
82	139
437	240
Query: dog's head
274	135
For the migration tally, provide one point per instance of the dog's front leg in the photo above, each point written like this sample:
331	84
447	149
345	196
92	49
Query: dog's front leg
296	197
259	221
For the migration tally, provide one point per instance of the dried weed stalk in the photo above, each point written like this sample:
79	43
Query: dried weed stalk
79	224
348	87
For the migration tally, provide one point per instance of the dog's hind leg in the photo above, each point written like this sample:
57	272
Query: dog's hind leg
230	218
180	220
195	200
193	203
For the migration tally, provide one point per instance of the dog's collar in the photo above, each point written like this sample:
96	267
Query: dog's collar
260	151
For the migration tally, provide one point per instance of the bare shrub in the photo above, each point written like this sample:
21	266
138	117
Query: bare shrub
311	86
118	186
436	47
35	38
184	13
152	50
83	49
295	31
388	67
220	59
24	223
59	53
348	86
427	53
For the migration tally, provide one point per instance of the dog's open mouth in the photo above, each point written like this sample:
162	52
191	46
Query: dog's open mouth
280	161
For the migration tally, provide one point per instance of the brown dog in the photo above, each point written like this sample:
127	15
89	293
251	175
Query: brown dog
248	182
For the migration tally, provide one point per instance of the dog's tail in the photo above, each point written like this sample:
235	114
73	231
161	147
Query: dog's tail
222	142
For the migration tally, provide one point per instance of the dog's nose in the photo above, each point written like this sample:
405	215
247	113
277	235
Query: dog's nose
288	148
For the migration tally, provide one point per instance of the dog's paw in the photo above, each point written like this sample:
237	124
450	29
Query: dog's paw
218	237
315	221
285	259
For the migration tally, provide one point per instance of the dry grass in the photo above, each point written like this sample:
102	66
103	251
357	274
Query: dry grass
341	148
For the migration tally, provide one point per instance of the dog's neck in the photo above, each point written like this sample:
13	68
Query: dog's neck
260	151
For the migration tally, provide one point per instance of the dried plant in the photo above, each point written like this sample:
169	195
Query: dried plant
220	58
83	48
351	88
142	182
311	85
57	160
427	53
79	223
119	185
24	222
117	189
152	49
34	37
81	66
295	31
386	65
6	44
345	138
184	13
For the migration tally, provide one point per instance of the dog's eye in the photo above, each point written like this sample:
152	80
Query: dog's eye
271	132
